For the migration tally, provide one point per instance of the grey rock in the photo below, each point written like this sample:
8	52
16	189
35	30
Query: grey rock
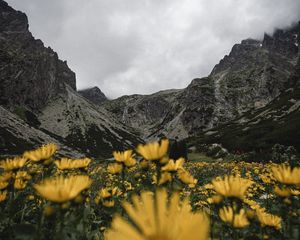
17	136
251	76
85	126
95	95
30	74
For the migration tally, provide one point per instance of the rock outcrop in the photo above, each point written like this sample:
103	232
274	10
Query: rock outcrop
31	74
251	76
16	136
39	102
95	95
260	129
85	126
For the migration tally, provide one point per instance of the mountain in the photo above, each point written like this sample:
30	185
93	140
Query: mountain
31	74
38	93
142	112
260	129
95	95
85	126
17	136
249	101
251	76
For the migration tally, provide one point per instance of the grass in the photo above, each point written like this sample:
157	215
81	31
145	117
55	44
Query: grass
200	157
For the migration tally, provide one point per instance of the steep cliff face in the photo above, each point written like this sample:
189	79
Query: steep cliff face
16	136
259	129
39	102
95	95
85	126
143	112
30	73
253	74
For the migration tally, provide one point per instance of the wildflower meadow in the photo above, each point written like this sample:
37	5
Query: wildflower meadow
143	195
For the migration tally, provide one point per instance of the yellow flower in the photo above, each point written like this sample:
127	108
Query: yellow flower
34	168
20	184
12	164
62	189
215	199
209	186
3	196
22	175
236	220
186	178
66	163
154	151
165	177
295	192
110	203
114	168
104	193
156	219
286	175
116	191
125	157
253	205
144	164
3	185
173	166
267	219
285	192
232	186
5	176
44	152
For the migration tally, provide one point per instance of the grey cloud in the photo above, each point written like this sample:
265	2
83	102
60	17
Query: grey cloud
143	46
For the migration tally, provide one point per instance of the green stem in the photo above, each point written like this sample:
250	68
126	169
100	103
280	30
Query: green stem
41	222
123	179
23	212
60	227
11	203
84	218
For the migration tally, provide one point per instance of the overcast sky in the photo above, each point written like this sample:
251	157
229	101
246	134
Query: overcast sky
143	46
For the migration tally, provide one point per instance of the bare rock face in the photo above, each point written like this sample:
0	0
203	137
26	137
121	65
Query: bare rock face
39	102
143	112
95	95
251	76
259	129
85	126
31	74
16	136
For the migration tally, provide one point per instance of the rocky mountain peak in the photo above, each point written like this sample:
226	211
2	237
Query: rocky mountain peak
31	74
241	51
12	20
94	94
284	41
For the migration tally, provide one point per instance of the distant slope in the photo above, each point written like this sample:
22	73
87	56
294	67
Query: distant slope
95	95
277	122
252	75
143	112
16	136
85	126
